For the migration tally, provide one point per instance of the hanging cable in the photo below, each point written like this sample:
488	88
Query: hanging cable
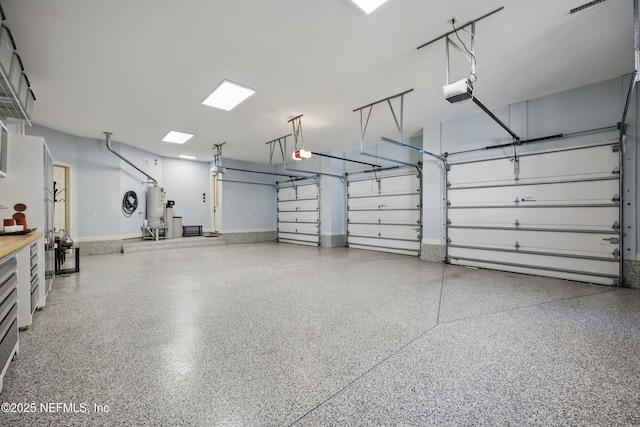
473	78
299	152
129	203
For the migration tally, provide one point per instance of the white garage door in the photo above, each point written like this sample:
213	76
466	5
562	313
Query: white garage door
299	213
384	212
554	213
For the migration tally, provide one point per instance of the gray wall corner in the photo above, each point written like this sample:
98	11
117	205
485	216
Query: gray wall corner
249	237
100	247
433	253
632	274
333	240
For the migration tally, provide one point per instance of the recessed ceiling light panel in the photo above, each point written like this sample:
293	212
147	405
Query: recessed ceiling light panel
177	137
369	5
184	156
227	95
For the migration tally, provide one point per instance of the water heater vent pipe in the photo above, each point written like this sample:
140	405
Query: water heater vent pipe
108	141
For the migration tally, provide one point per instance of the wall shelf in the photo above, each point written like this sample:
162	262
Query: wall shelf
16	96
9	105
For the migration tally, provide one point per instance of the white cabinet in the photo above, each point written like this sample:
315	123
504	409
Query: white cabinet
29	181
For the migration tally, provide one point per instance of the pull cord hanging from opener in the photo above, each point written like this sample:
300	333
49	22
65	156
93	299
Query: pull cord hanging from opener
472	75
299	153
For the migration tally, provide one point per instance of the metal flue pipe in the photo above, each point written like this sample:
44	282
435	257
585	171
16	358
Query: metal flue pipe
108	141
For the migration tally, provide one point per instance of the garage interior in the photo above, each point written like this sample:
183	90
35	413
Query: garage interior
420	214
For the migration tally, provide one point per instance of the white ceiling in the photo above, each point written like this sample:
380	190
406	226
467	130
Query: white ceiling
141	68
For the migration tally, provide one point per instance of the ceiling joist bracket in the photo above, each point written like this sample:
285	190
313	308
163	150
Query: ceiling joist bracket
398	119
281	143
369	107
461	27
217	154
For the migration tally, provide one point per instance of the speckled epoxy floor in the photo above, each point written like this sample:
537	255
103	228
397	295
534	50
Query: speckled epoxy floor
268	334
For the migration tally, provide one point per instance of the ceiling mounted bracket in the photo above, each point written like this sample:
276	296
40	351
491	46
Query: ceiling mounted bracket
217	154
461	27
471	56
282	144
217	168
398	121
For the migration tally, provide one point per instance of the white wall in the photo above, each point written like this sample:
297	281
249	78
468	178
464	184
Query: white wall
185	182
100	179
243	206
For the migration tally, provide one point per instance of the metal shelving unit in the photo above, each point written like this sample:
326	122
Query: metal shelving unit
16	100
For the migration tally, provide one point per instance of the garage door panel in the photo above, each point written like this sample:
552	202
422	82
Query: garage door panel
575	276
371	243
286	193
585	163
367	187
551	262
293	227
400	184
554	266
304	191
501	239
370	230
298	216
568	243
308	192
579	244
298	239
385	215
293	205
586	218
482	173
385	186
390	202
589	192
565	220
400	232
400	217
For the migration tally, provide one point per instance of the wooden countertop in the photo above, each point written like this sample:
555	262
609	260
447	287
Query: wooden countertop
14	242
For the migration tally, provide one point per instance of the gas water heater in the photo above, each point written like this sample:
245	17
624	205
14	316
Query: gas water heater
155	206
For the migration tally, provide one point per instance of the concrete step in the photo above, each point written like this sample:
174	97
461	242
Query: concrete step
130	246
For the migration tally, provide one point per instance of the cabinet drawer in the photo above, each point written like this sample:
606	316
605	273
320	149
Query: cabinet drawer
8	310
8	265
34	298
9	340
34	282
7	285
